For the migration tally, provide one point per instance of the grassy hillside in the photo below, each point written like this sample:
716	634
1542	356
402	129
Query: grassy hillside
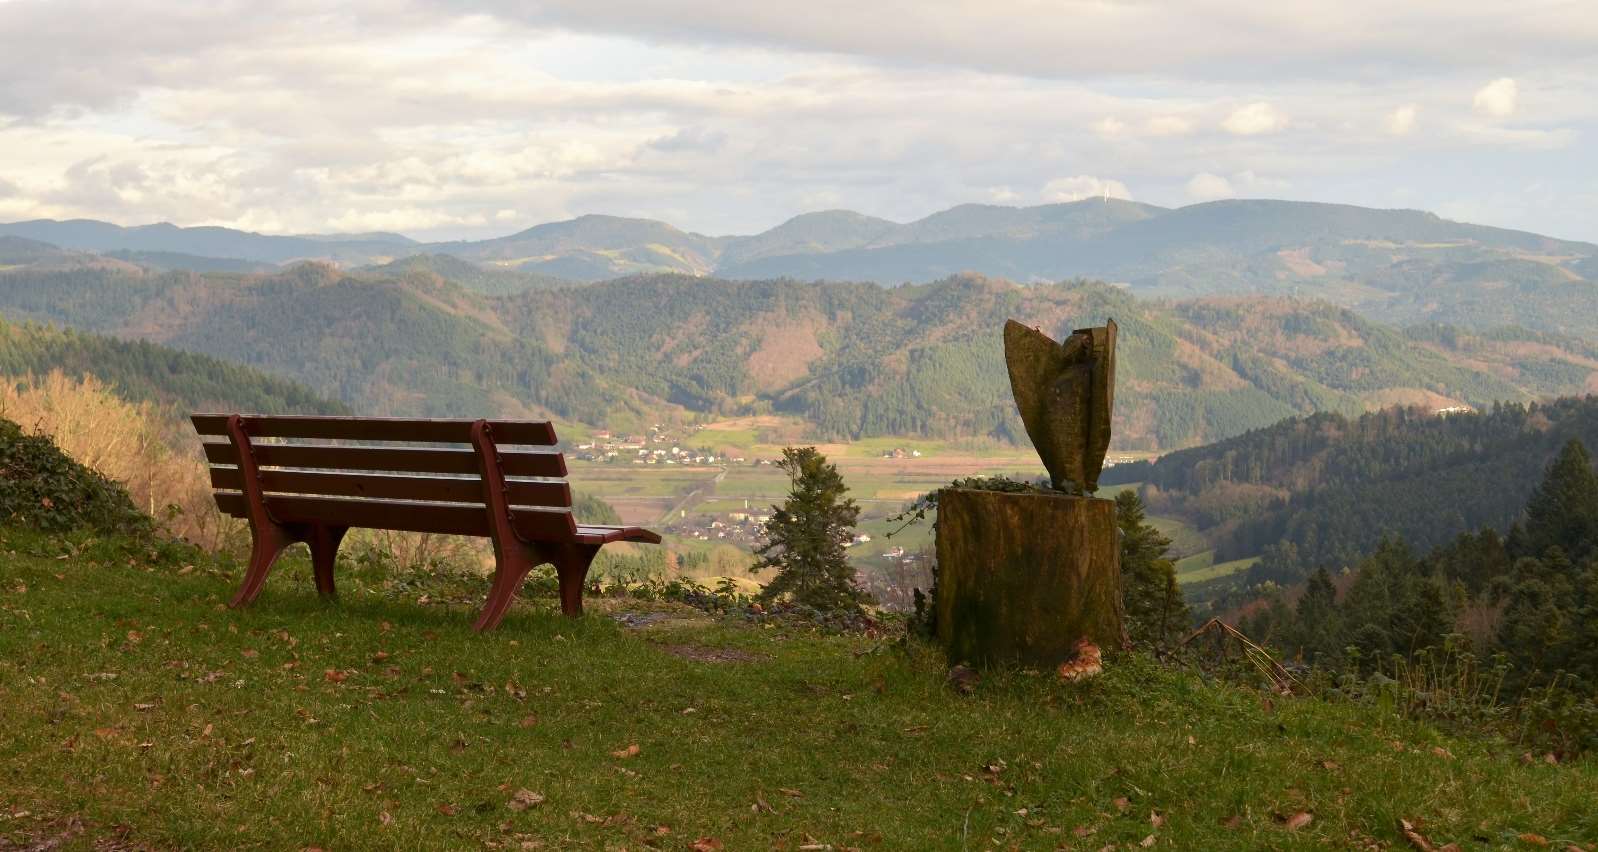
854	360
162	720
140	370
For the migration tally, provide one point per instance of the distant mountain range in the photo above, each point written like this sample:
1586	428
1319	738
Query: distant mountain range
1401	266
853	359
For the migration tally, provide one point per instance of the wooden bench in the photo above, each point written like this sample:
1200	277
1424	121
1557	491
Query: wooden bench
315	492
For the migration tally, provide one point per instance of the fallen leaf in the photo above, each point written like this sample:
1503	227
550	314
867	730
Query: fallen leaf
385	818
448	809
1232	822
1122	803
528	721
706	844
524	799
1156	819
1534	839
1298	820
1415	838
1442	752
1147	842
1082	831
144	707
1089	661
380	656
335	676
624	753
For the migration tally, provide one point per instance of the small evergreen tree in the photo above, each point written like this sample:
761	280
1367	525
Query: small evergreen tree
806	535
1563	511
1155	610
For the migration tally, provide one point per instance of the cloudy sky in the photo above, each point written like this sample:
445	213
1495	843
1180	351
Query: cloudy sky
449	119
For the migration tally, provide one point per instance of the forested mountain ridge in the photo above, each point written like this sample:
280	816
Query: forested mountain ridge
145	372
1324	490
852	359
1399	266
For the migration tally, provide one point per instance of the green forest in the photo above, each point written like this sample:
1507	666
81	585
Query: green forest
853	360
143	371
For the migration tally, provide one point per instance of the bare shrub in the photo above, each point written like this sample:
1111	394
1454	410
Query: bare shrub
138	445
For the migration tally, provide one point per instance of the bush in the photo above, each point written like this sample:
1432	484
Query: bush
41	487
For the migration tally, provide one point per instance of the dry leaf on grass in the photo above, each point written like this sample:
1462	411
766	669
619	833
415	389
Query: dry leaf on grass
524	799
706	844
624	753
1298	820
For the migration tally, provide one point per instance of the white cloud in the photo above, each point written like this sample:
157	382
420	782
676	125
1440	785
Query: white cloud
1078	187
1168	125
1254	119
1497	99
1208	187
1401	121
1109	127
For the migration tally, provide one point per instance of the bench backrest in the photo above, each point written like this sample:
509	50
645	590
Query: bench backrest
397	484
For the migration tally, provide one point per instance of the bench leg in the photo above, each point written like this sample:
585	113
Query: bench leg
571	565
511	566
324	541
268	543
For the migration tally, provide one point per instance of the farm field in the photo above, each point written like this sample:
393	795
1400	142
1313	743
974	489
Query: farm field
696	505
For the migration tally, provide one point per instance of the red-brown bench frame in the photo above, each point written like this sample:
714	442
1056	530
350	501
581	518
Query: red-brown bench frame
314	493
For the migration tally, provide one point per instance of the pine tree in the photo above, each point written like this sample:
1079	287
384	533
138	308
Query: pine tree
1155	609
1563	511
806	536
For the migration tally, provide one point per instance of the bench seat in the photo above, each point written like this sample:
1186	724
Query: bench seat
314	493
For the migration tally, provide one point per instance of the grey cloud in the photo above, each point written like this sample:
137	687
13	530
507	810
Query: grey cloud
1202	39
696	139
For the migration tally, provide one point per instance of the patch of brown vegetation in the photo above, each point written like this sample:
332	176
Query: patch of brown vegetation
1299	262
787	347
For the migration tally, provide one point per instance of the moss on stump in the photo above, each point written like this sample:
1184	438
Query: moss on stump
1022	577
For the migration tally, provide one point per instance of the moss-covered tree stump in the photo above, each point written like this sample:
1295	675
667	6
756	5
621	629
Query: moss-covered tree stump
1022	577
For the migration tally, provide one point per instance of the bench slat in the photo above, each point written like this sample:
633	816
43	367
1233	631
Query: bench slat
407	459
603	535
431	488
379	429
407	516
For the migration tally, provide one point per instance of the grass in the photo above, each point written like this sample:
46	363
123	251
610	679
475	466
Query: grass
136	703
1202	566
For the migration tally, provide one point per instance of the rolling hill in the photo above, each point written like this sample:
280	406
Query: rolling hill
144	371
855	360
1397	266
1325	490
